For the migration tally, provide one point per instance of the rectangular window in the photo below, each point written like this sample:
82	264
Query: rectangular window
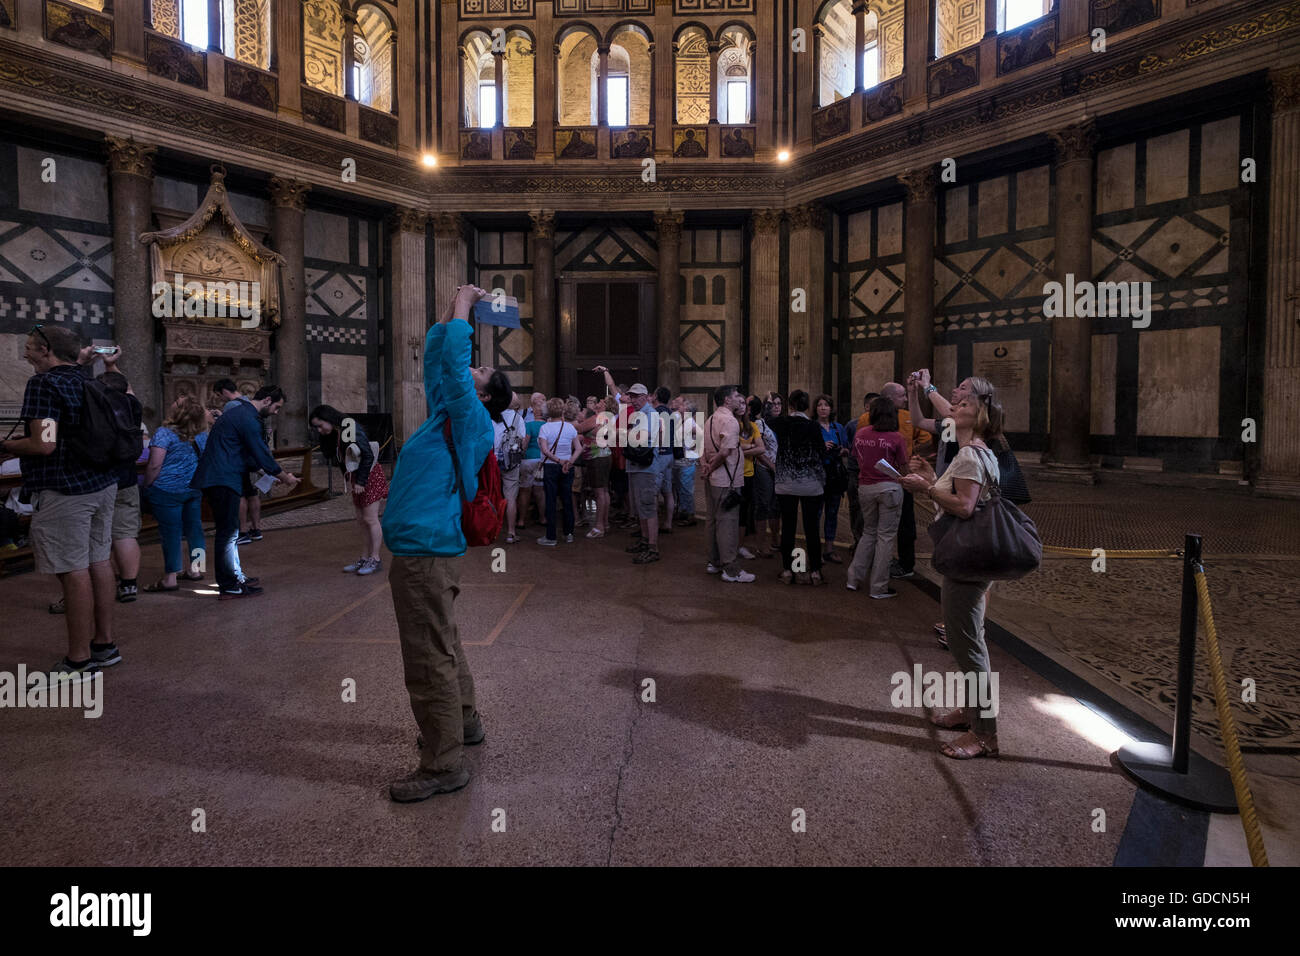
870	67
487	106
737	101
1016	13
194	23
616	92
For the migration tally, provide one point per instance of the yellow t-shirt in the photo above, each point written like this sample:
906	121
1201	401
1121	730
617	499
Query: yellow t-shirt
754	435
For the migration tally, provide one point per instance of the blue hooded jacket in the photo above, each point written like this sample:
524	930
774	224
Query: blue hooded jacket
422	517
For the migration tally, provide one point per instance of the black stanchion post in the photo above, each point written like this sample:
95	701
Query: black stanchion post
1186	654
1177	772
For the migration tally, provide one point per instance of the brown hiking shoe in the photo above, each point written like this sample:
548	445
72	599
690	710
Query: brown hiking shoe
422	784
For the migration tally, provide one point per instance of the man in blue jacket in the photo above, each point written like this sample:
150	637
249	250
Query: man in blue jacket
422	528
235	447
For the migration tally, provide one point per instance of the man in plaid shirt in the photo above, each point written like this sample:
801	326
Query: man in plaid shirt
72	500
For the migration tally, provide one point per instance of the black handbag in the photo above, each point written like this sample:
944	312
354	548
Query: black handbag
1011	478
999	542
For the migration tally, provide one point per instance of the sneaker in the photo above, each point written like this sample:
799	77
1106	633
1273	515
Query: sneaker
568	539
244	538
244	591
712	568
105	656
686	522
66	674
888	593
747	554
851	587
255	534
252	581
8	546
372	565
648	556
641	545
423	784
741	577
355	566
126	593
58	607
546	542
896	570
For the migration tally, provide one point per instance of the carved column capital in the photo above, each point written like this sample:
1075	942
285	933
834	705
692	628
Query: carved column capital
448	225
1285	87
766	221
919	183
289	193
543	224
808	216
406	219
669	225
1075	142
128	156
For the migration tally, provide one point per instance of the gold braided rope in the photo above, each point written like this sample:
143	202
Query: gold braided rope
1236	767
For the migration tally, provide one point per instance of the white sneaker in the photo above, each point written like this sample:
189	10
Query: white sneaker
568	539
743	577
546	542
851	587
746	554
355	566
712	568
371	566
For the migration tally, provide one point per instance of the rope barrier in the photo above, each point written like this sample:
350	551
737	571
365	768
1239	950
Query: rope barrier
1236	766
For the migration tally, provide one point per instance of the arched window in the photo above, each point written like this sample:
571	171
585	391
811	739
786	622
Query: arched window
479	81
628	89
735	76
1016	13
322	46
957	24
691	63
698	287
372	64
575	80
246	31
719	290
836	40
517	287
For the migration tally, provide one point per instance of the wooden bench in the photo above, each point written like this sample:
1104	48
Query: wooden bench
296	460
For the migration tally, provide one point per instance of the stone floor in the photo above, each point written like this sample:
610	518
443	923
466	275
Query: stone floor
768	701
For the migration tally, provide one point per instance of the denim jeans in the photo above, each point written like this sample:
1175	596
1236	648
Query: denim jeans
556	482
224	503
831	514
684	486
178	513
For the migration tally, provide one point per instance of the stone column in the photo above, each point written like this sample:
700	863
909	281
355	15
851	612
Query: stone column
499	78
288	204
918	252
602	87
764	300
859	43
917	46
349	54
1279	432
807	273
450	263
214	25
130	177
990	18
544	330
410	318
715	48
286	34
1070	413
669	227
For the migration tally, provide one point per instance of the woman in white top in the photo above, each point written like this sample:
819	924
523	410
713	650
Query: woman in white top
559	452
965	484
510	427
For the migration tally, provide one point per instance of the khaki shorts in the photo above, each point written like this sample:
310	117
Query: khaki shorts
510	482
530	473
71	532
126	513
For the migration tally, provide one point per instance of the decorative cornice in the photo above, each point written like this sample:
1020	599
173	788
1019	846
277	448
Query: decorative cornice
766	221
1285	87
919	183
289	193
543	224
128	156
448	225
406	219
808	216
1076	142
669	225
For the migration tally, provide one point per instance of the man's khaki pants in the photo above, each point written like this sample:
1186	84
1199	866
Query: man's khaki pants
437	673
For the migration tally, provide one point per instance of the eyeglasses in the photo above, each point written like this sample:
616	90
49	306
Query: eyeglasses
36	330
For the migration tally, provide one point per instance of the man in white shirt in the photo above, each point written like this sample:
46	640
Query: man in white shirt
724	471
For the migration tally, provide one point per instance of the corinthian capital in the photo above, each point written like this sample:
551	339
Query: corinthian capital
448	225
919	184
543	224
289	193
1285	86
767	220
128	156
669	225
1075	142
808	216
406	219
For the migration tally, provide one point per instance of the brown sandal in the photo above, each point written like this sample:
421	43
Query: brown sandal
158	587
953	720
974	746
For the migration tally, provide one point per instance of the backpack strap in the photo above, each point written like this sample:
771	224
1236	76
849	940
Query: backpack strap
455	461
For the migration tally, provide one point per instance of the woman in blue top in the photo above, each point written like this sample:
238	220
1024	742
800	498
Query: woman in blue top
837	448
173	455
422	528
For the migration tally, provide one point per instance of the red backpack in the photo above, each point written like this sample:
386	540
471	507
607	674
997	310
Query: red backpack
482	518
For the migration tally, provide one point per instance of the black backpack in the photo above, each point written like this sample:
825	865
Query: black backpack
109	435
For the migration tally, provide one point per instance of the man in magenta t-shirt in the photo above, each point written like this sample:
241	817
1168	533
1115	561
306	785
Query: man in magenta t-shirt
881	497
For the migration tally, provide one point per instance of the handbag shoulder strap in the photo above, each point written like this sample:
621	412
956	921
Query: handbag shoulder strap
455	461
731	472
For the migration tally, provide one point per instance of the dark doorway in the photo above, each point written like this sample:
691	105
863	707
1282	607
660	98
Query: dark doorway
607	322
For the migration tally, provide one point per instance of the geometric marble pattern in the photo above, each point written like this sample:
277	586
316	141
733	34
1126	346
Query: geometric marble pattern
335	293
344	336
704	345
22	309
57	257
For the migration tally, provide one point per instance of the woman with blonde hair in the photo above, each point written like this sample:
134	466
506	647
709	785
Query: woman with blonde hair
173	455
